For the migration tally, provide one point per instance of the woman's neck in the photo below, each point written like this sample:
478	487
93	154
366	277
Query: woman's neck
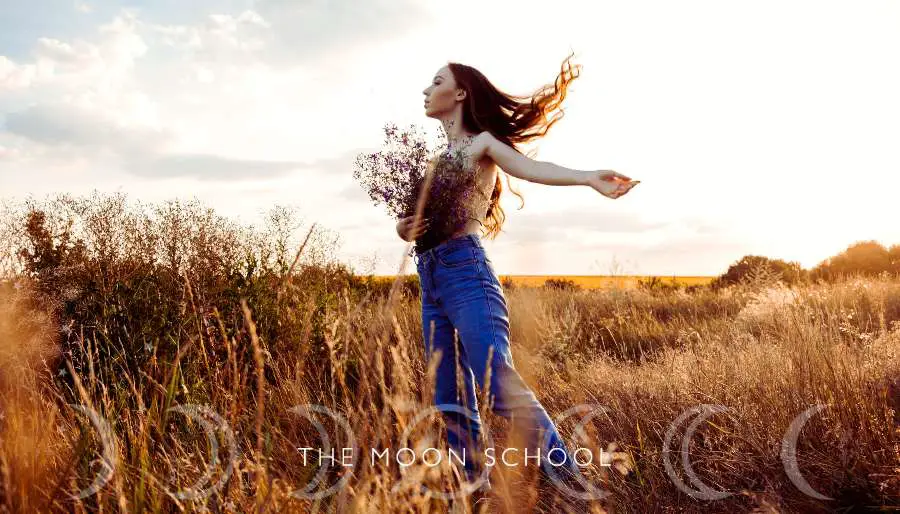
454	130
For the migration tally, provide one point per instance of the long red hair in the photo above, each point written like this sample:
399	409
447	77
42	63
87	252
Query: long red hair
512	119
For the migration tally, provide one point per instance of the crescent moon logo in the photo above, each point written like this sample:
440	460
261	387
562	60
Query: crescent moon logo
305	411
466	488
210	420
109	456
789	452
702	491
591	492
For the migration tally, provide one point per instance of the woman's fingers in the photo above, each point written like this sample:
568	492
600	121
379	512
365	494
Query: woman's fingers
411	221
615	176
621	177
415	228
617	190
625	188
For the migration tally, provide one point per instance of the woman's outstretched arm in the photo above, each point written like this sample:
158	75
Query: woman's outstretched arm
607	182
525	168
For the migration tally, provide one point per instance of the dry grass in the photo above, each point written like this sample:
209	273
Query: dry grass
595	281
250	346
604	281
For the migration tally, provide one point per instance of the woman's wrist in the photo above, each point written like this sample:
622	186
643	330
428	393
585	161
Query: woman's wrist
583	177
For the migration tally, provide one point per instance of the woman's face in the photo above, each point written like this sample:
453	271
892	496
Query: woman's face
442	95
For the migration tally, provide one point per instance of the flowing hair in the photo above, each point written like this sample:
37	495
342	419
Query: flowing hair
512	119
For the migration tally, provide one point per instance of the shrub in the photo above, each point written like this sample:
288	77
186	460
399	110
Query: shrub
656	284
761	270
561	284
123	276
864	258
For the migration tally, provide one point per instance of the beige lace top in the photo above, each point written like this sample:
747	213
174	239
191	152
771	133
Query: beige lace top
455	198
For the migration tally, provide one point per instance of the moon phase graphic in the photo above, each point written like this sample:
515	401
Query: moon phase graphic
591	411
789	452
701	490
704	491
467	487
109	455
210	420
305	410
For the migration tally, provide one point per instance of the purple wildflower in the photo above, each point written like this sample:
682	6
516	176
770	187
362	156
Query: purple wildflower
389	176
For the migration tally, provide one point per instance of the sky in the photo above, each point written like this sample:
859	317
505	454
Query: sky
766	128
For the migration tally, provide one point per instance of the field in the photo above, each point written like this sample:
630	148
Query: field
181	372
595	281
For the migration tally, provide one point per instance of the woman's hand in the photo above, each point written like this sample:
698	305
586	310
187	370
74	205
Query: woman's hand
408	229
611	184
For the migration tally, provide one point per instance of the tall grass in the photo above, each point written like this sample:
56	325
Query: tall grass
136	311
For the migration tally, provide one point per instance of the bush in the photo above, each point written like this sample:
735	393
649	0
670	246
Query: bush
756	269
561	284
865	258
656	284
133	280
381	286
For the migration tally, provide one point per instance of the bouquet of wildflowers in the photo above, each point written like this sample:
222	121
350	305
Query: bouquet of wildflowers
393	175
397	176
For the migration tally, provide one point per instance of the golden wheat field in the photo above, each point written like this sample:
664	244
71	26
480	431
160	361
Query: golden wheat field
595	281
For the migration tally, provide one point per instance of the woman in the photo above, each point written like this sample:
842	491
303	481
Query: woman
460	290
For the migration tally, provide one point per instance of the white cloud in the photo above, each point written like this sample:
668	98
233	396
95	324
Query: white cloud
207	167
220	38
15	76
8	153
317	30
208	110
70	124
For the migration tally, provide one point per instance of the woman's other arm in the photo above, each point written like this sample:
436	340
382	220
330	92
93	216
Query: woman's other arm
542	172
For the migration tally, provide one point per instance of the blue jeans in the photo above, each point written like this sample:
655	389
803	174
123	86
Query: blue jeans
460	292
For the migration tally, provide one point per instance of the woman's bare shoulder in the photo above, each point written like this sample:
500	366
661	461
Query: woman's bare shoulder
481	144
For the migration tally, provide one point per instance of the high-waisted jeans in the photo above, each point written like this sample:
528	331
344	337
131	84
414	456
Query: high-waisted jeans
460	291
